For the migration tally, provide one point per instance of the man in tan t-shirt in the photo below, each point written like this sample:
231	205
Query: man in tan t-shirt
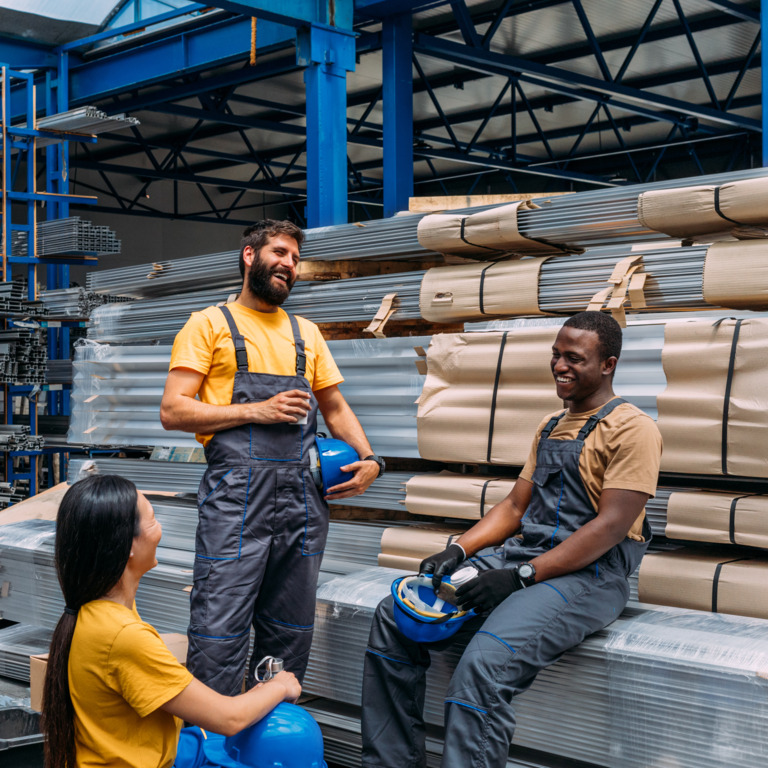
553	560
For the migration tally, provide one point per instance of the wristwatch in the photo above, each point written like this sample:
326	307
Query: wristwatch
527	574
379	461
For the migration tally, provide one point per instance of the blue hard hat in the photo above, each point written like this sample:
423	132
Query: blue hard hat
420	614
332	455
288	737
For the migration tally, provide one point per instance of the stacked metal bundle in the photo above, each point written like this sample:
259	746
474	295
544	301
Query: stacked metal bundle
13	295
168	476
58	371
72	235
9	495
74	302
646	673
117	391
17	437
23	356
87	120
17	643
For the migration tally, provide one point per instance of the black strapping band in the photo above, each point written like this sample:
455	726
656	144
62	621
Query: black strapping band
474	245
716	580
482	497
495	393
727	399
482	287
732	515
719	212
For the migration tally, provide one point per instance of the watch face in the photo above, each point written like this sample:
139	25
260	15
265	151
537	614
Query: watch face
526	571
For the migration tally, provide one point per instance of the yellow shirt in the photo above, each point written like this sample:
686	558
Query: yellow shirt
120	673
205	345
623	452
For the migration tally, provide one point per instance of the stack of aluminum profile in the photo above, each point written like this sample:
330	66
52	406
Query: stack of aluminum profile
13	294
23	356
117	392
74	302
356	298
582	220
17	437
72	235
647	673
86	120
168	476
9	495
58	371
675	278
17	643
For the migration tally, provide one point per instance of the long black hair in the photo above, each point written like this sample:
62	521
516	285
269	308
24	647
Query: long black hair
95	526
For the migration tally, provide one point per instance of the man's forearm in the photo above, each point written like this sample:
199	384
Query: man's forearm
501	522
345	426
187	414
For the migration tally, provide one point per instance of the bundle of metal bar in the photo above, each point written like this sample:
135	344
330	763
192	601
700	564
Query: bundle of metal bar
58	371
117	391
23	356
71	235
9	495
17	437
650	669
17	643
86	120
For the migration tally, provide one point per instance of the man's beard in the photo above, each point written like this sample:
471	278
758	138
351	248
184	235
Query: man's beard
261	285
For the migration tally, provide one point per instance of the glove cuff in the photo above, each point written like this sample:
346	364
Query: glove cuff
463	551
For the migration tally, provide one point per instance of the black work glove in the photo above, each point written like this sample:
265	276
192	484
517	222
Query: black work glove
488	589
442	563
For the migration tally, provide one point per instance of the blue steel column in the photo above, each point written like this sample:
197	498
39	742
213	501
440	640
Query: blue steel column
764	73
397	86
328	54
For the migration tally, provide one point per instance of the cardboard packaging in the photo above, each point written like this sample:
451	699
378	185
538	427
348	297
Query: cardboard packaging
736	274
739	208
404	547
481	291
713	413
448	494
481	235
485	394
38	665
721	518
706	581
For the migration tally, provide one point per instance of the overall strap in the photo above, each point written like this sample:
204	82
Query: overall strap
596	418
550	425
301	355
241	353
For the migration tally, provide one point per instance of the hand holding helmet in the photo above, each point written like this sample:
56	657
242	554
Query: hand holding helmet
442	563
489	589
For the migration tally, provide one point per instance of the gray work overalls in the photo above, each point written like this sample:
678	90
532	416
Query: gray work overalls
504	651
260	536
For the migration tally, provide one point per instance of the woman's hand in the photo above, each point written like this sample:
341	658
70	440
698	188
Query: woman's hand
290	684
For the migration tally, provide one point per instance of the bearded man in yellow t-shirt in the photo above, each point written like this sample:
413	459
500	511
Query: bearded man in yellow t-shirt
551	566
248	379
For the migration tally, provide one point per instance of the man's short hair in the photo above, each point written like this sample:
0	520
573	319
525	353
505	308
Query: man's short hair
607	329
258	234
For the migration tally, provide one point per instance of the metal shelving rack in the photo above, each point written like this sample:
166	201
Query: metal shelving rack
19	213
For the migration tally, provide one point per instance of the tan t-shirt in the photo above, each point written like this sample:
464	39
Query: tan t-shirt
205	345
623	452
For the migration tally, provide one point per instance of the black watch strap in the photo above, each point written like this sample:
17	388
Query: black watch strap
382	464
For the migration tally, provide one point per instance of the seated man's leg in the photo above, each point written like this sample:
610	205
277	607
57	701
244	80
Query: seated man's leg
393	695
529	631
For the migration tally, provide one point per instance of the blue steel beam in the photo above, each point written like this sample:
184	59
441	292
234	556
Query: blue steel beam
618	95
297	13
215	45
397	87
328	54
24	54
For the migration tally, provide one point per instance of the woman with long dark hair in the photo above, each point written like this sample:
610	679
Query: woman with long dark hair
114	694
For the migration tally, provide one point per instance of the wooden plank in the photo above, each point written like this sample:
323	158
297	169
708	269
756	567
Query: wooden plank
394	328
339	270
433	204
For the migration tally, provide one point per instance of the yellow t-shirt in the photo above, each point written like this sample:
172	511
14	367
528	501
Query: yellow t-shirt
205	345
120	673
623	452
